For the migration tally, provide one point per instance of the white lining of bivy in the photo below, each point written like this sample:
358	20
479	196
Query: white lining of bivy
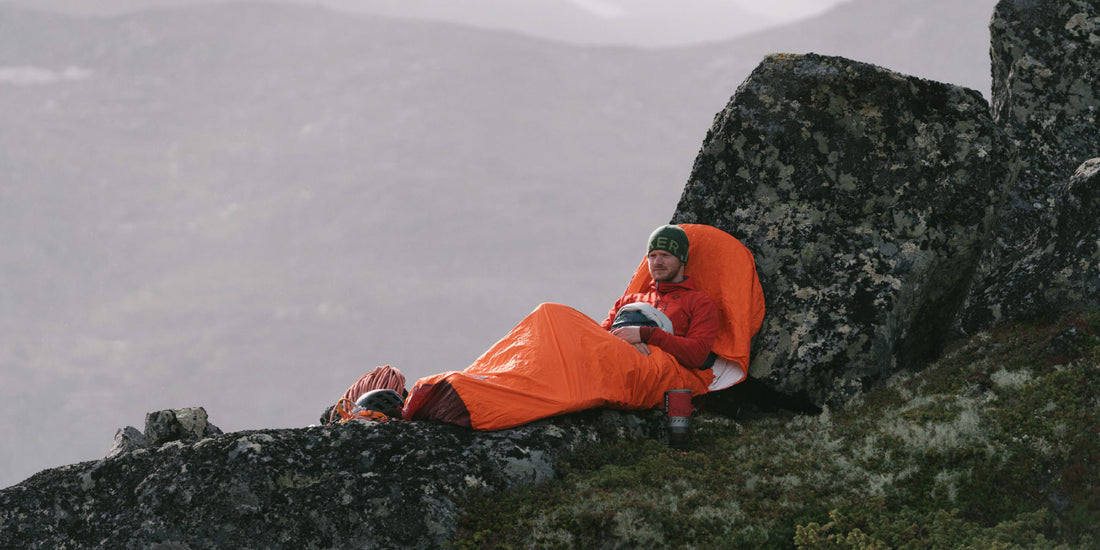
726	373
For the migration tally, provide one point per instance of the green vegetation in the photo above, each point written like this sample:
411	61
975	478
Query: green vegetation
995	446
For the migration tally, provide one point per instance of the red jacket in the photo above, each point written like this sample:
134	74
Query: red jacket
694	320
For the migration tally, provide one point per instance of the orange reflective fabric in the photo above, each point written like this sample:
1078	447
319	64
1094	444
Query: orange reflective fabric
558	360
725	270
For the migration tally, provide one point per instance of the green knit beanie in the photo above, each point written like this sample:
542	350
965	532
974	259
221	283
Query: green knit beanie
671	239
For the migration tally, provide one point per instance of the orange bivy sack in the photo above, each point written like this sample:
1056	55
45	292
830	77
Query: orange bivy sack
558	360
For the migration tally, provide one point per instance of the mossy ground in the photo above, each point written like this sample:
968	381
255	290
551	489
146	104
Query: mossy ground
995	446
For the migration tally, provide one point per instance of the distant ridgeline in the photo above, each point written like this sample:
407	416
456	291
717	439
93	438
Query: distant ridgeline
888	215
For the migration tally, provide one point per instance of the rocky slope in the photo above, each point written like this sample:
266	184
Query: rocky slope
352	485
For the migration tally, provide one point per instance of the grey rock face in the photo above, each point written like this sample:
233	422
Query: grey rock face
163	427
867	197
1046	94
178	424
127	440
1060	266
1080	200
352	485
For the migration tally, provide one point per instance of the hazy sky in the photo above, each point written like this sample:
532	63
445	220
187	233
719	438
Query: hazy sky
778	9
775	9
788	9
646	23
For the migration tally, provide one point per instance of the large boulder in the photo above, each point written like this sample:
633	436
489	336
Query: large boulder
867	197
1046	94
353	485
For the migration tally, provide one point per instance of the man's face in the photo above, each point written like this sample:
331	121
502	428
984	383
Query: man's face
664	267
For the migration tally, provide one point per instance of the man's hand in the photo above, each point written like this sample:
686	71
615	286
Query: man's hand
632	335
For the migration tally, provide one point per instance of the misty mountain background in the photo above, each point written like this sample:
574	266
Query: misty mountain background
646	23
245	206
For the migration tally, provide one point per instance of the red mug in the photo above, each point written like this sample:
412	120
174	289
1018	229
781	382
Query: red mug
678	410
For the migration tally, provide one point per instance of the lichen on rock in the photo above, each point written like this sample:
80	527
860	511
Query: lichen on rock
1046	94
356	484
867	197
